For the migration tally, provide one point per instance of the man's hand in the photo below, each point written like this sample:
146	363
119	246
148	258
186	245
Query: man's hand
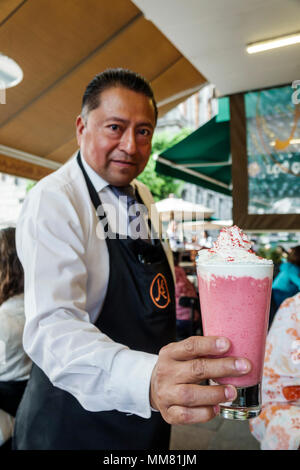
181	367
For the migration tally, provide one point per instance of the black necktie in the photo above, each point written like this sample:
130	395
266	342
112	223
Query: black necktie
133	213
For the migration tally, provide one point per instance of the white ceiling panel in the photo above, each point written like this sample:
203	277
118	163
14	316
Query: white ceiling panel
213	34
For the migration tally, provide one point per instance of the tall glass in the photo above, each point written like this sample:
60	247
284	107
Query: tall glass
235	302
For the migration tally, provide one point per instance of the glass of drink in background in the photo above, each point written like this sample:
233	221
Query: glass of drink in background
235	292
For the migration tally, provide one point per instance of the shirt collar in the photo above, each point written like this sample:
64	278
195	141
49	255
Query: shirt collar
97	181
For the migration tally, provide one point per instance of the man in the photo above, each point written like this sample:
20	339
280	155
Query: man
100	306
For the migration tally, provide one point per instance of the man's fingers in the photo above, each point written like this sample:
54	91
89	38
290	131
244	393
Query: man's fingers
197	370
184	364
196	346
192	396
181	415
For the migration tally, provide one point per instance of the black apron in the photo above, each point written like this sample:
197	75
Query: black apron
11	394
138	311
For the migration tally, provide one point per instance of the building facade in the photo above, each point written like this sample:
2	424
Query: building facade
193	113
12	194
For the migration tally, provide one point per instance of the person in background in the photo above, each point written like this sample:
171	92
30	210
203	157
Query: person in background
254	244
287	282
173	236
279	256
278	425
206	240
15	365
185	325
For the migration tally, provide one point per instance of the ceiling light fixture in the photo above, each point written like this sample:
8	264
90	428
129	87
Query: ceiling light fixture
282	41
11	73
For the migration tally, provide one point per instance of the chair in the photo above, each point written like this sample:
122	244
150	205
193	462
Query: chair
194	304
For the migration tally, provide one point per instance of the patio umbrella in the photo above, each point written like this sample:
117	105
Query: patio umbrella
175	208
199	227
195	226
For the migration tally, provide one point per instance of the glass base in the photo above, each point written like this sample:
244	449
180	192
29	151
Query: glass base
239	413
247	404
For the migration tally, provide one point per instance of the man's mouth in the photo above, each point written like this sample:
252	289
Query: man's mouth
123	163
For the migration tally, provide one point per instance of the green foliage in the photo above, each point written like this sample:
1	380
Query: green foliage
163	140
30	185
273	253
160	185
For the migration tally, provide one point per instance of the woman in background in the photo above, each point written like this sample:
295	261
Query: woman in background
287	282
15	365
278	425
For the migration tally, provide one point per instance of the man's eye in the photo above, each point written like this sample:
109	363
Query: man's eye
145	132
114	127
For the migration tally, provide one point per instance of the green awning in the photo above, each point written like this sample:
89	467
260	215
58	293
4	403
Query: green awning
203	158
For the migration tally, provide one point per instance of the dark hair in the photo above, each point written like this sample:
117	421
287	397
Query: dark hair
115	78
294	255
280	248
11	271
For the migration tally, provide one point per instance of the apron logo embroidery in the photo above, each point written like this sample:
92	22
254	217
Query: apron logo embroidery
159	291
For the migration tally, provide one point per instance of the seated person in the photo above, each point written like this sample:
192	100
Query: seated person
15	365
206	240
287	282
278	425
173	237
279	256
185	325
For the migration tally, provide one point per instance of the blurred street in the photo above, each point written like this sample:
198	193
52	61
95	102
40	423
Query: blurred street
217	434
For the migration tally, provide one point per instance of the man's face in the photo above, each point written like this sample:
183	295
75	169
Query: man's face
116	138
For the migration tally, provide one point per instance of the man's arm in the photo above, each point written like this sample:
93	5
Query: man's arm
58	334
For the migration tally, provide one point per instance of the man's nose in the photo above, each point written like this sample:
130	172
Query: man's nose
128	142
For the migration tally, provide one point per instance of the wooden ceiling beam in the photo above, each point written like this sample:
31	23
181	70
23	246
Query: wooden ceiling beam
8	8
23	169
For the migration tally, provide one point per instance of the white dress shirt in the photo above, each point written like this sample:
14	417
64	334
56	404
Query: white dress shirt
14	363
66	266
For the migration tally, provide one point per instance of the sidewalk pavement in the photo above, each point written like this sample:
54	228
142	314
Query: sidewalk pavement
217	434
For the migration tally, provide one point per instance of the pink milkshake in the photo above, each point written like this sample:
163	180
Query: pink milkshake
235	290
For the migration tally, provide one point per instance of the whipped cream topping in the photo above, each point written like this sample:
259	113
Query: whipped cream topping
232	246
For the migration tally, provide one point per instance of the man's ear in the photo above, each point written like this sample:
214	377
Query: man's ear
79	128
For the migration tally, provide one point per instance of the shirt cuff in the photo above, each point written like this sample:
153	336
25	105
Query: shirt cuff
131	379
